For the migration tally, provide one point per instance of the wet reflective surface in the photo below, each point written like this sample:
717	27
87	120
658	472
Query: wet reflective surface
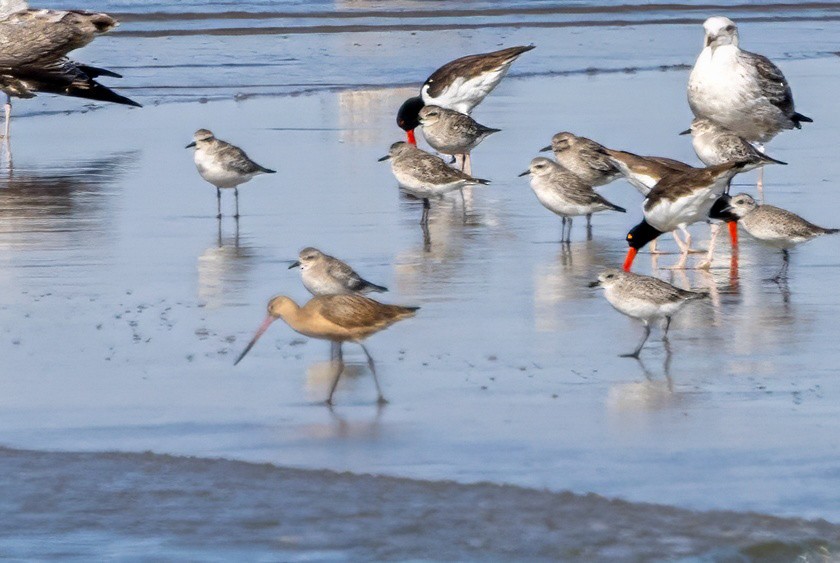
125	301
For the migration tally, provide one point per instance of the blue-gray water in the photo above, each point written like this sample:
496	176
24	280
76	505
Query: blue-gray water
124	303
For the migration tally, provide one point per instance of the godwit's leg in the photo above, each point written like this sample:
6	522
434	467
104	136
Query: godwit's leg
424	219
635	353
707	263
236	196
334	346
218	203
760	182
339	369
381	399
8	111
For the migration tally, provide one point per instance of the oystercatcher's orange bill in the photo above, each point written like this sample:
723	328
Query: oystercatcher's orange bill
733	232
411	139
628	261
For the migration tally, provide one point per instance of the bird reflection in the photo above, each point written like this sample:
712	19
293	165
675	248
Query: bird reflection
560	277
62	198
223	269
651	394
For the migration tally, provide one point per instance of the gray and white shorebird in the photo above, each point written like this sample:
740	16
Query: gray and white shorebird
742	91
425	175
583	157
564	193
33	55
453	133
769	224
323	274
223	165
645	298
715	144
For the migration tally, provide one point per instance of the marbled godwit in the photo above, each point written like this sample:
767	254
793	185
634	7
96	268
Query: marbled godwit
337	318
223	165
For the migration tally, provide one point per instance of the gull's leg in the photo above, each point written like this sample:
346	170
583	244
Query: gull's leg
635	353
381	398
8	111
339	368
236	196
218	203
707	263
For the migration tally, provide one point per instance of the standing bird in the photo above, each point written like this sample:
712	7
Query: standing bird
425	175
645	298
715	144
771	225
337	318
678	200
223	165
742	91
323	274
33	55
459	85
583	157
564	193
452	133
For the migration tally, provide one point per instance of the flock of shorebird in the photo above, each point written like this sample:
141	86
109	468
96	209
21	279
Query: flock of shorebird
740	101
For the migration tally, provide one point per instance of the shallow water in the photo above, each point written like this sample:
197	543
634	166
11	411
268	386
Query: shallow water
125	301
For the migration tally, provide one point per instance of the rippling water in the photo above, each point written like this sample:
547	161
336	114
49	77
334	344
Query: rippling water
125	302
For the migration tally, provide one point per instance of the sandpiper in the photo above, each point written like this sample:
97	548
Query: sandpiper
223	165
564	193
742	91
425	175
645	298
337	318
459	85
323	274
33	55
678	200
715	144
584	158
771	225
453	133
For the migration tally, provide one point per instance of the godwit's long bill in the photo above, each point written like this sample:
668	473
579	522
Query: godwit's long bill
677	201
337	318
459	85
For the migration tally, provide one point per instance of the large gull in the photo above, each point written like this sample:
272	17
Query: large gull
742	91
33	54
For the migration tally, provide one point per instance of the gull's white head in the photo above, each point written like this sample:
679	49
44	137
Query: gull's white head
720	31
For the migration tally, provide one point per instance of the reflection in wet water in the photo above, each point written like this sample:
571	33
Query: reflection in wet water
223	268
654	392
62	199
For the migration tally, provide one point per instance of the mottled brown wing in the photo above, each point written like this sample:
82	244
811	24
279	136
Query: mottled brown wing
237	160
674	185
771	82
661	292
789	224
593	154
471	66
434	168
339	270
41	37
356	311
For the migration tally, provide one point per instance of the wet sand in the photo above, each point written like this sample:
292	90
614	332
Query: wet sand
125	302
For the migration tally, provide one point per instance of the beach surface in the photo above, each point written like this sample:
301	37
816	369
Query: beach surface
125	301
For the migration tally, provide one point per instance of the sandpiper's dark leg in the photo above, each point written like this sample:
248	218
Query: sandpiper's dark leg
667	326
424	219
381	398
236	196
562	229
589	226
338	370
218	203
635	353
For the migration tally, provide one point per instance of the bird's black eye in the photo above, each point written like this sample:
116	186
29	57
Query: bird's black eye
730	28
739	201
610	276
